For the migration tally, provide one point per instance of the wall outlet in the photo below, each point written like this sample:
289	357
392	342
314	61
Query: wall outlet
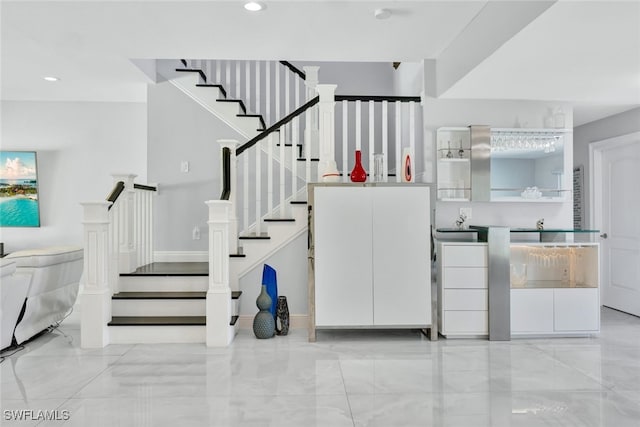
184	166
466	212
196	233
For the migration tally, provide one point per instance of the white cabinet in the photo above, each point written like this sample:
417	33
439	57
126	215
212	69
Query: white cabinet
371	256
463	297
555	290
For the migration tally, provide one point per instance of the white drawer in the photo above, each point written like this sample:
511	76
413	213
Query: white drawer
466	322
464	256
461	277
466	299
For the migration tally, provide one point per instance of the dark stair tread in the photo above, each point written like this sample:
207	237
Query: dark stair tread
298	202
259	116
224	92
160	295
279	220
158	321
239	101
171	269
254	237
303	159
238	255
192	70
234	319
235	294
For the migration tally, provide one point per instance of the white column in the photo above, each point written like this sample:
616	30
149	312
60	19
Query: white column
232	144
128	255
311	131
219	332
95	299
326	127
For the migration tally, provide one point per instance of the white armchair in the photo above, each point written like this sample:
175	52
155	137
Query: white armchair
13	291
54	276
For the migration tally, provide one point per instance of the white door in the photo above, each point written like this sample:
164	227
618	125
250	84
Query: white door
616	213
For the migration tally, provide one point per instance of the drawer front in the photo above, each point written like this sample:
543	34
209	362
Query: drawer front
466	322
464	256
466	299
460	277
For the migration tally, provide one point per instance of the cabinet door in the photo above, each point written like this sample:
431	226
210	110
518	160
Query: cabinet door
576	309
342	239
401	256
532	310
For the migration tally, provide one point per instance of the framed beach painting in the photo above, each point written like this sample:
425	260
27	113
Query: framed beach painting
19	205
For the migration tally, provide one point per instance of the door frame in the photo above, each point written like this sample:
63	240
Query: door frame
596	150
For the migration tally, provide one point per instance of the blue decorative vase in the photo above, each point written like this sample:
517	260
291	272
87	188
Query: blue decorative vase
264	324
270	280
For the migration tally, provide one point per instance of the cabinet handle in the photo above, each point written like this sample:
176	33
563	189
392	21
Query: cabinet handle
604	235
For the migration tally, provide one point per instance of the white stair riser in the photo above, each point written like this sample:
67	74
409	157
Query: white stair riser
156	334
163	283
158	307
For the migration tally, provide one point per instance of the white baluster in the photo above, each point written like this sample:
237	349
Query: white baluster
270	174
237	95
218	305
398	141
96	293
267	80
294	156
311	126
218	72
287	92
257	86
385	140
371	139
296	101
247	89
307	145
137	215
258	189
227	77
358	125
283	140
345	141
277	93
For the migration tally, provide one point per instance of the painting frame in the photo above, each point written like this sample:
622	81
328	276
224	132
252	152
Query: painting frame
19	189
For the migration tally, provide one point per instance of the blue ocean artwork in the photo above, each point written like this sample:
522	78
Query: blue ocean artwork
18	189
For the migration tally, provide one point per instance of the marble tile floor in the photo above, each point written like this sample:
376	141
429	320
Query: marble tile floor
346	378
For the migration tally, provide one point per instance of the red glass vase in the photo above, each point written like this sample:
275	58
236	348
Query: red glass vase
358	174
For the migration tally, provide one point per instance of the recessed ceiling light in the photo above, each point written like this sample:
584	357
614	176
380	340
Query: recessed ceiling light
51	79
382	13
254	6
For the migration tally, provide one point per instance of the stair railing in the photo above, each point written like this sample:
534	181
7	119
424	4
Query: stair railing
118	239
271	89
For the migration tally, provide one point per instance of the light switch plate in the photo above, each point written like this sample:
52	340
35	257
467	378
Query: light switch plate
184	166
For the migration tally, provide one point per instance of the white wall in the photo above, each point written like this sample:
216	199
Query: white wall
181	130
609	127
507	114
79	145
290	264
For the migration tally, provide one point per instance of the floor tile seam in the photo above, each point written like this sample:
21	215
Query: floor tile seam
346	393
107	368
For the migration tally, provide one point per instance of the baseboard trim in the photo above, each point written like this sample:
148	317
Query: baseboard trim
181	256
296	321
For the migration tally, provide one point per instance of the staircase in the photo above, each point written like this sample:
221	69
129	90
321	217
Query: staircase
149	302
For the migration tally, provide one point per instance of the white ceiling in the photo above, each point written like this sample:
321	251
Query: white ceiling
586	53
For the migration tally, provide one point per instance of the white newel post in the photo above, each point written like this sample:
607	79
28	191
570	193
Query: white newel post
232	144
327	169
311	131
95	301
128	261
219	331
